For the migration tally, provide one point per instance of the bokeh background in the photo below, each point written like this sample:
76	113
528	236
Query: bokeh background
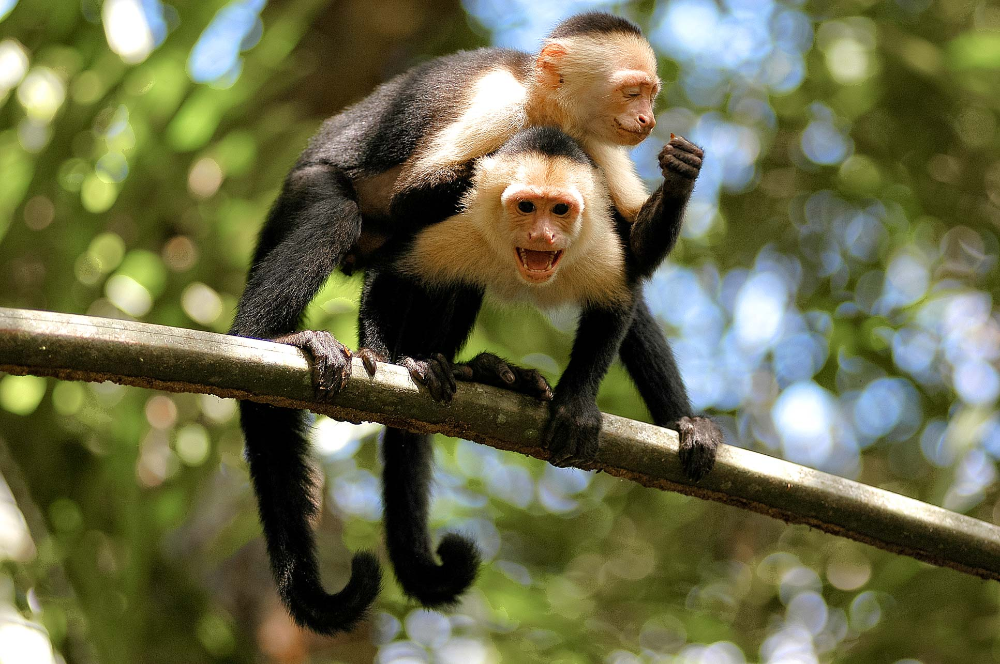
831	303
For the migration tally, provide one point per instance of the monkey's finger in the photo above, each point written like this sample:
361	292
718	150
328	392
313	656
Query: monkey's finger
344	367
493	370
368	359
439	381
535	384
320	383
559	441
449	376
463	372
417	372
686	145
674	164
505	373
437	390
687	157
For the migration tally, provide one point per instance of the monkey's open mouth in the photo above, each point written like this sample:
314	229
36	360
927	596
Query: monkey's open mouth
537	266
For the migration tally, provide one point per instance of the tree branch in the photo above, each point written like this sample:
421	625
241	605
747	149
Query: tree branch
178	360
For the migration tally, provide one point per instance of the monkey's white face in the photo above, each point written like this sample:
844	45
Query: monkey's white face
629	106
606	86
542	223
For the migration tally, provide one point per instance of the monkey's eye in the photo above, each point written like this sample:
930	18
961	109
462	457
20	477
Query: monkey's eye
632	92
560	209
526	207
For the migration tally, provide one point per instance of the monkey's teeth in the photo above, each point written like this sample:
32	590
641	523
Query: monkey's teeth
529	259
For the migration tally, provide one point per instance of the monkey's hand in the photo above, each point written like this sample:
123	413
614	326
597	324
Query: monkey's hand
331	360
573	431
492	370
680	163
434	373
700	439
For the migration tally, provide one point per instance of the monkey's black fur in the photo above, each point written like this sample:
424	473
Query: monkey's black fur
594	23
548	141
312	226
315	226
285	487
444	318
400	319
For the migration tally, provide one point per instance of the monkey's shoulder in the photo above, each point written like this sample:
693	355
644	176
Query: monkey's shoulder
387	127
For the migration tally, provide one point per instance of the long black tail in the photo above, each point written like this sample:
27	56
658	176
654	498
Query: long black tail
277	452
406	478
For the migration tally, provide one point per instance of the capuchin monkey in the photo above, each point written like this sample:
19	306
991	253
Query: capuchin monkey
384	169
536	225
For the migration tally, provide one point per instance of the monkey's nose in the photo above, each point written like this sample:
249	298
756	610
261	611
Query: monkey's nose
647	122
545	235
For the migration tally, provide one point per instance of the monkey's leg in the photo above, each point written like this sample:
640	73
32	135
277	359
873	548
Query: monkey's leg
649	360
402	321
310	226
492	370
575	420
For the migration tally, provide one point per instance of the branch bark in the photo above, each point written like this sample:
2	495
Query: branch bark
73	347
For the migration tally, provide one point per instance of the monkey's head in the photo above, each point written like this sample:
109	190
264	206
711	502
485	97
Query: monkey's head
542	223
599	74
539	185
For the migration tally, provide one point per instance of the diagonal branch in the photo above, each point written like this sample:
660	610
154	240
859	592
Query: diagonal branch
179	360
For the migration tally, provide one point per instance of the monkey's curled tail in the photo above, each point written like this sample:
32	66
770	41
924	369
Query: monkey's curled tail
406	485
277	452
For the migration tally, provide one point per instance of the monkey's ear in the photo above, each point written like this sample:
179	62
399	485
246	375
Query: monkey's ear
549	64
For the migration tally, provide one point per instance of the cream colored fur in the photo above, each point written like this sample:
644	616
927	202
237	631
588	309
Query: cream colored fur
500	104
476	247
625	186
494	112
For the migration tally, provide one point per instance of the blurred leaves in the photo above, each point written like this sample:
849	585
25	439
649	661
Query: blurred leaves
832	302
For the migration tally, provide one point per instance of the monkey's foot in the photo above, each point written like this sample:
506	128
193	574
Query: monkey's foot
435	374
680	163
700	439
331	360
369	357
492	370
573	432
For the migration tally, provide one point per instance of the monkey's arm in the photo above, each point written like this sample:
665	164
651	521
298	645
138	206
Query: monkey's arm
647	357
658	224
575	420
432	199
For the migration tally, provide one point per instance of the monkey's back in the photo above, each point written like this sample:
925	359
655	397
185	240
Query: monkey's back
384	129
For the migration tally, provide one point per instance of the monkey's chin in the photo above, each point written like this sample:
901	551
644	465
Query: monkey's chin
629	137
537	267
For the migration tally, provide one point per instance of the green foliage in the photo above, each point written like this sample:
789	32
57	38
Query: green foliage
127	189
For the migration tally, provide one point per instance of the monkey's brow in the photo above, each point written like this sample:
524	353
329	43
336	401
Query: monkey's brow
638	78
